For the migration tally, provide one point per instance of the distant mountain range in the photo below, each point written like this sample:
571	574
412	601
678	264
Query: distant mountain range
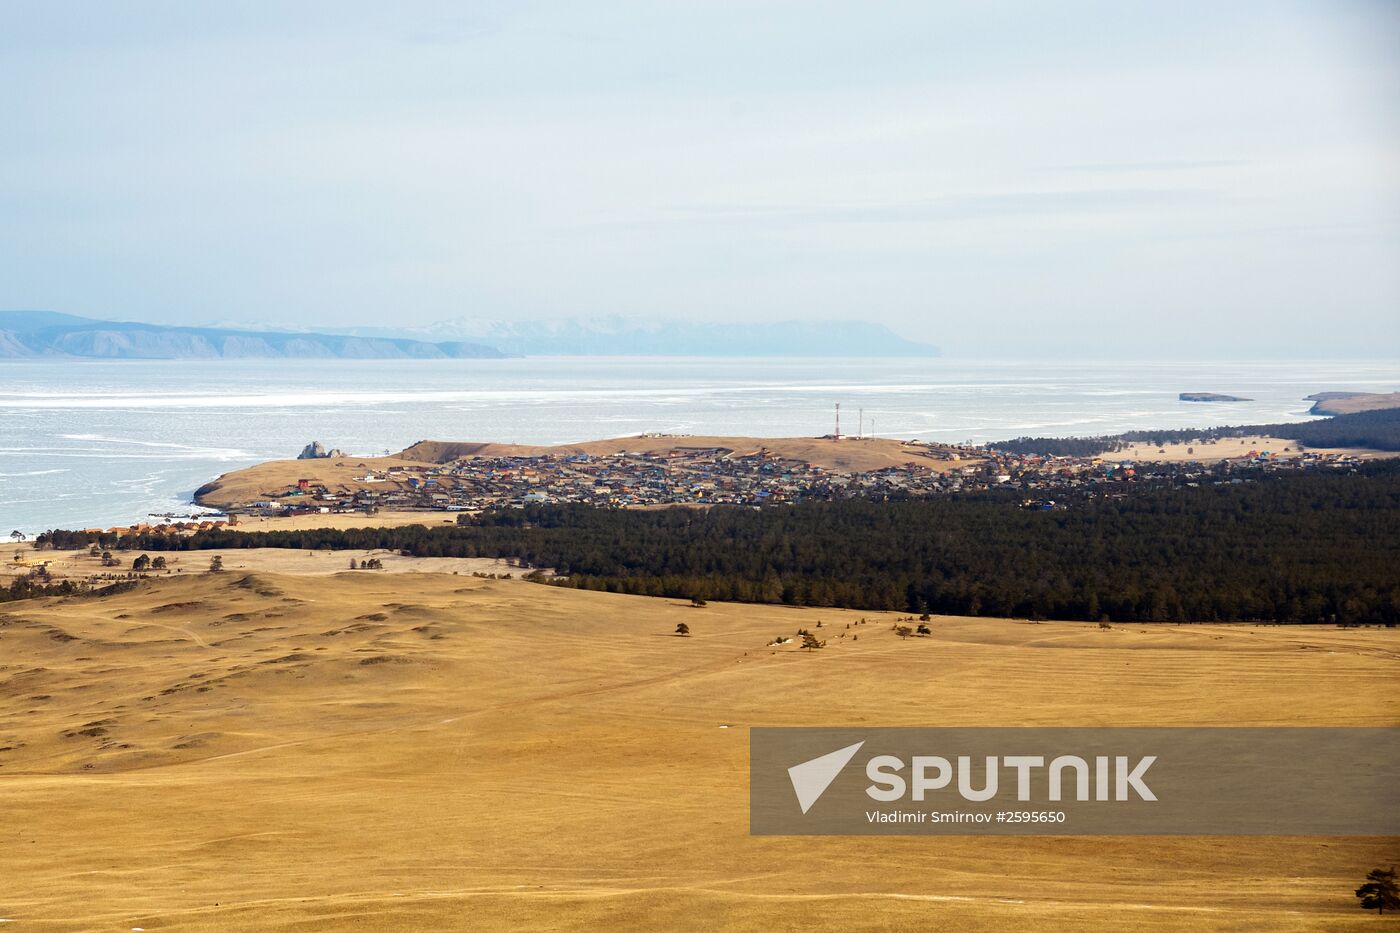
50	334
628	336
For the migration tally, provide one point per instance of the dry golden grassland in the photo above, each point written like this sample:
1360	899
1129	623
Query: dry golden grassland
377	751
80	565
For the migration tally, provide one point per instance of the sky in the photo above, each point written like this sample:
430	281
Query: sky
1003	179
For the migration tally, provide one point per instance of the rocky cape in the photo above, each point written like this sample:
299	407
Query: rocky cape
41	334
1347	403
317	451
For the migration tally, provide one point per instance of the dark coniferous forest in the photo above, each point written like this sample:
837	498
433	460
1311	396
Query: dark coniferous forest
1378	430
1306	547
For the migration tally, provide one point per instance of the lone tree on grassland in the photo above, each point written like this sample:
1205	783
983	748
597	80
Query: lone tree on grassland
682	629
1379	891
809	641
17	535
216	564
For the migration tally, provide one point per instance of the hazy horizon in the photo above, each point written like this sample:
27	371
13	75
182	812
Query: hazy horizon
1084	180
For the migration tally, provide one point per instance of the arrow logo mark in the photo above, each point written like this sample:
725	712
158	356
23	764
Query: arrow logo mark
811	778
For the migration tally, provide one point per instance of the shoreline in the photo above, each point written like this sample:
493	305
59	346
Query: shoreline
238	517
66	420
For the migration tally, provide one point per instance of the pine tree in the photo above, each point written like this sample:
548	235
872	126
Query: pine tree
1379	891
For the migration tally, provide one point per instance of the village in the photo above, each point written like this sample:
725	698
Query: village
687	476
691	477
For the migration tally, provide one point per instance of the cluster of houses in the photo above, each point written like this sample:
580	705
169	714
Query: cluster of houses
618	480
1042	477
176	527
687	476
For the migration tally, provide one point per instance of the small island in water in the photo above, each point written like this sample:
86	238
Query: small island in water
1210	397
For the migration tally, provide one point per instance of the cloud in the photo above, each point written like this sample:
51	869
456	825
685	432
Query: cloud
1164	165
1208	168
954	208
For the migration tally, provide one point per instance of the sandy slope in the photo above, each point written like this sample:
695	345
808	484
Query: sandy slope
409	751
844	455
1234	448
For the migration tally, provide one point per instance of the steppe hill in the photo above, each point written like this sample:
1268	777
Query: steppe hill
1346	403
346	474
297	750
